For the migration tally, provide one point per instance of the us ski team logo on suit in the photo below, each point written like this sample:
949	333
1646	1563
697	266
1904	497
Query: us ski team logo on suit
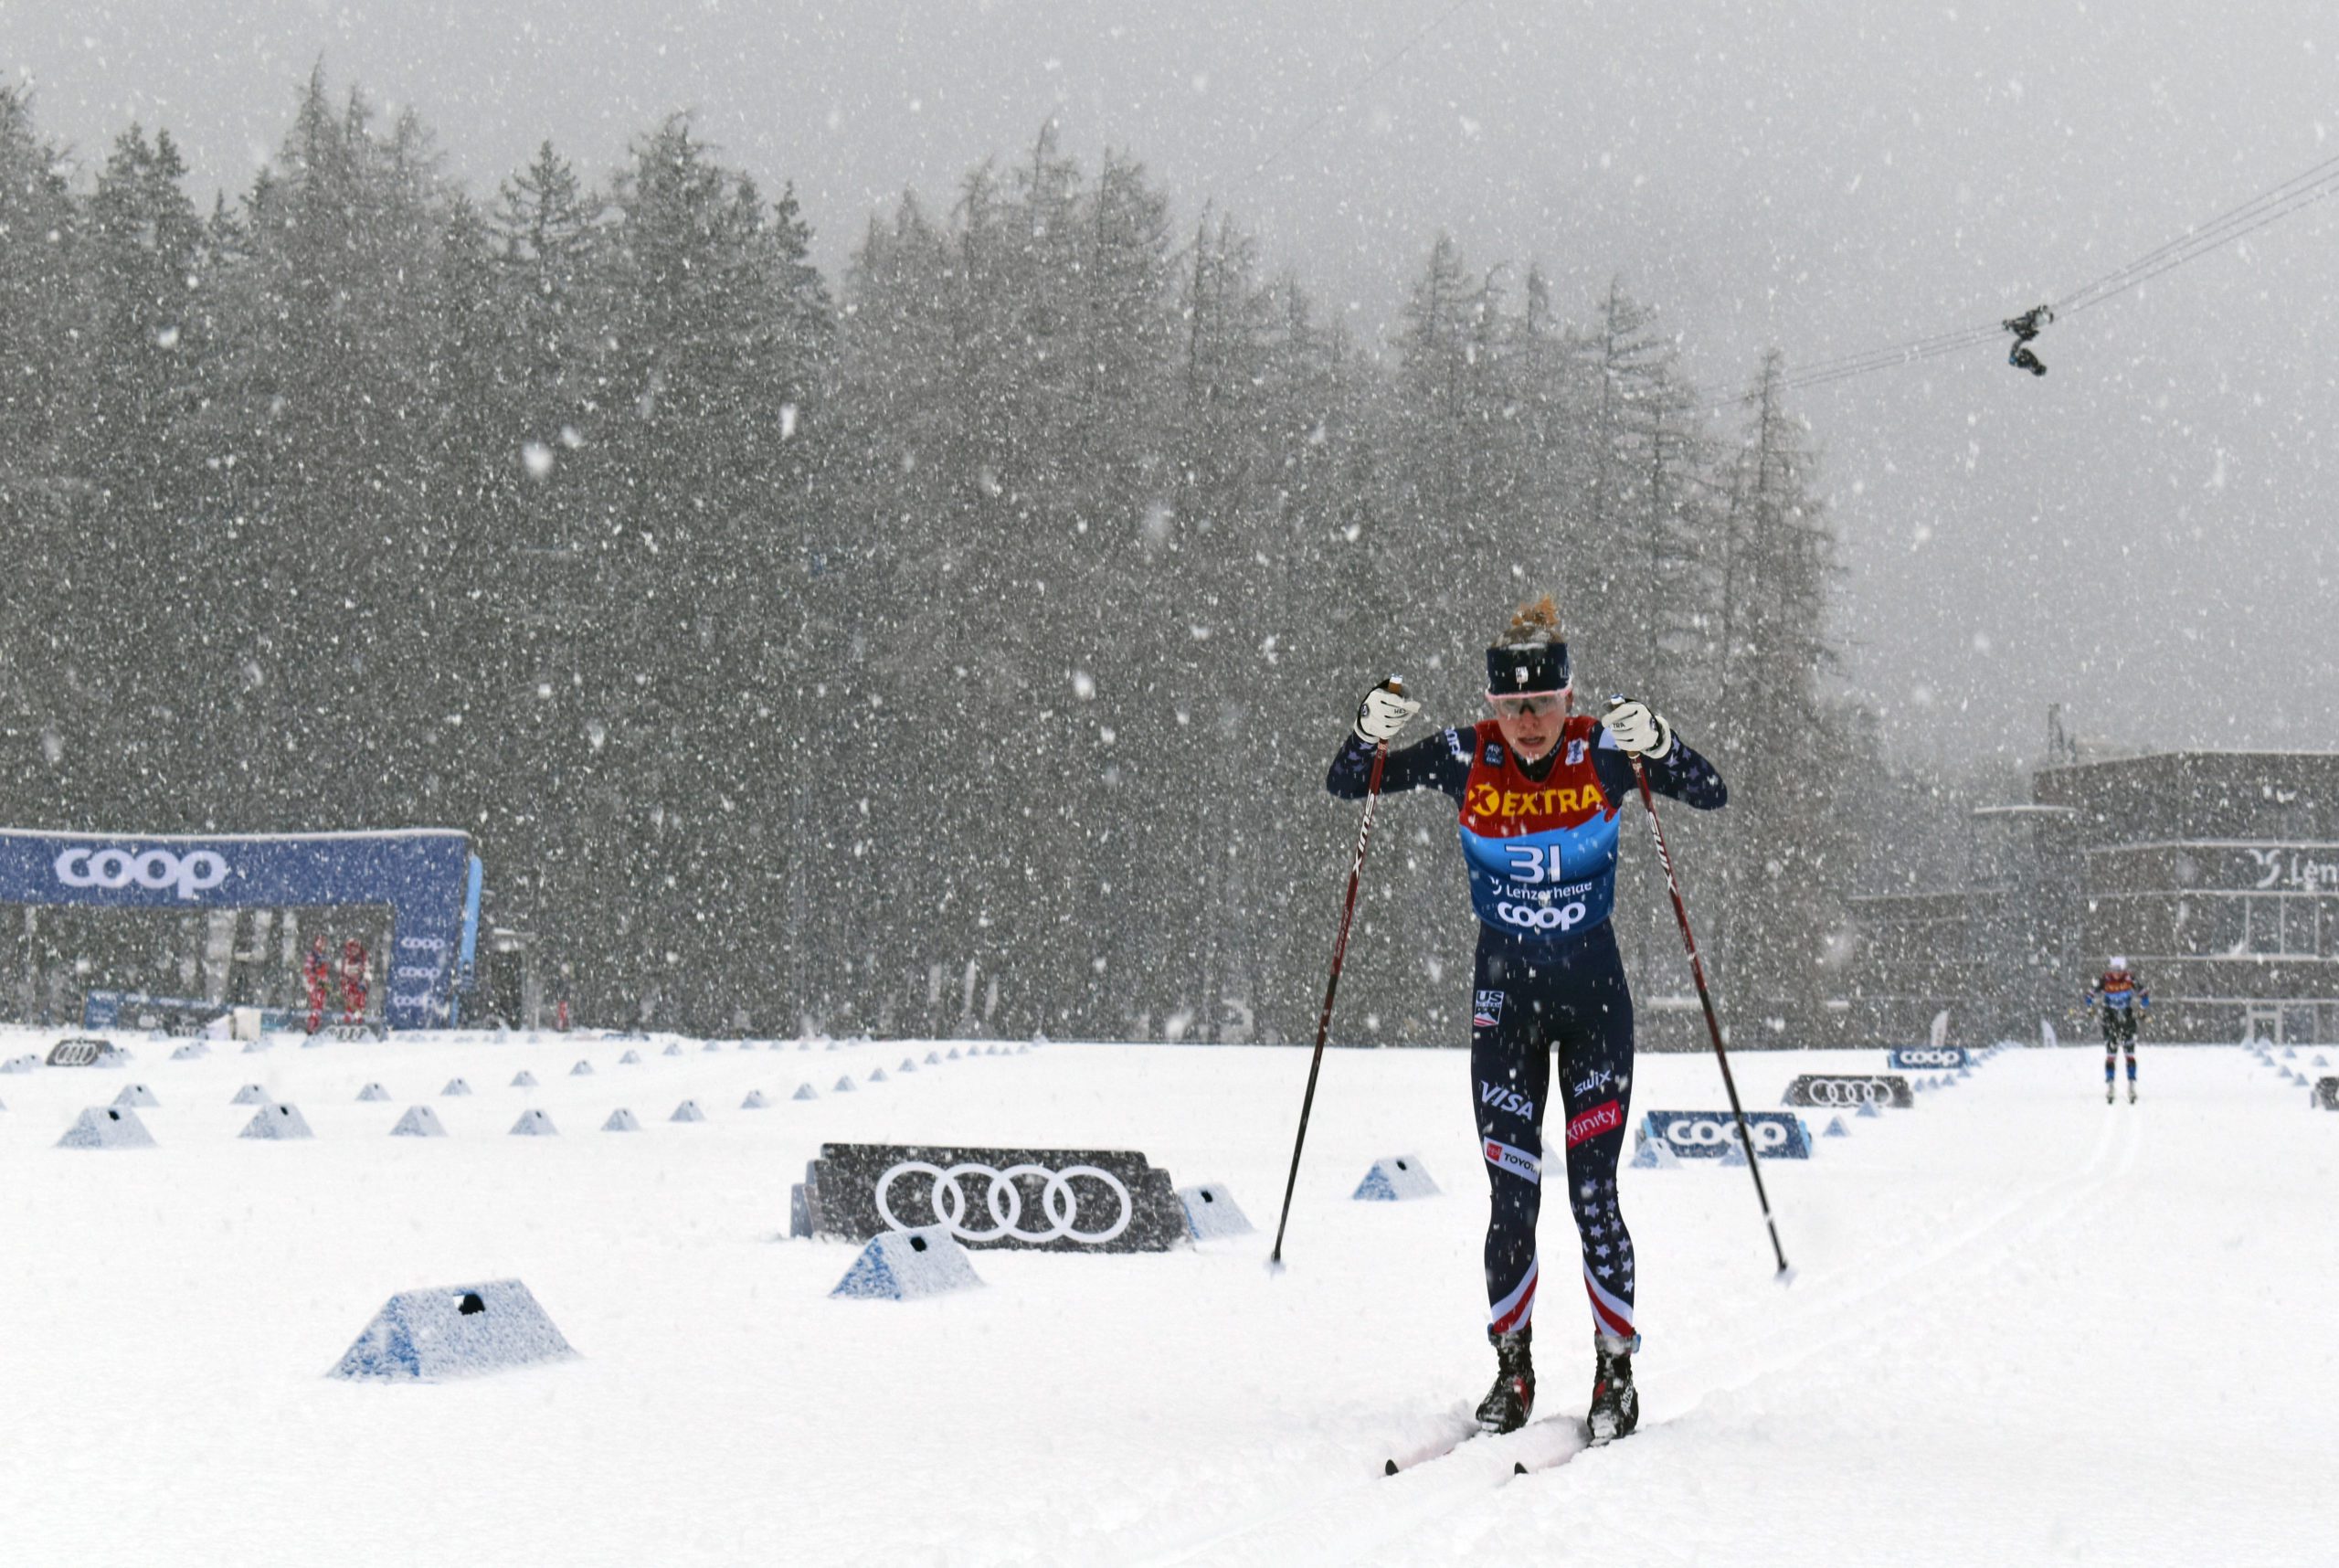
1542	854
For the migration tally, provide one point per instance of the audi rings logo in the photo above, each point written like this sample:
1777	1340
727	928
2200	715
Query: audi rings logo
1003	1203
1543	917
153	868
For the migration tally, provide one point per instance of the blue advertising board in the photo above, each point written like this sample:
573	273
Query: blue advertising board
1709	1134
1929	1058
423	875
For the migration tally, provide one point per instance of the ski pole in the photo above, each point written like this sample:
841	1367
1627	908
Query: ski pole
1713	1023
1332	986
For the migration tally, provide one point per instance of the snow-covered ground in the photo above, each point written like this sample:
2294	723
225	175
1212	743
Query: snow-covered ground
2027	1326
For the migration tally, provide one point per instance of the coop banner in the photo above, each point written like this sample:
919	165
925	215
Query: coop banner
421	873
1928	1059
1044	1199
1709	1134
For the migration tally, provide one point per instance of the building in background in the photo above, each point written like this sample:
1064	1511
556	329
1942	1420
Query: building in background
2215	872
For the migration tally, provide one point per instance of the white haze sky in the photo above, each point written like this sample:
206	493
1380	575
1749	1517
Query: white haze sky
2144	535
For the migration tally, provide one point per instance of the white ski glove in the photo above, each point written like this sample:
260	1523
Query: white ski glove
1384	711
1639	728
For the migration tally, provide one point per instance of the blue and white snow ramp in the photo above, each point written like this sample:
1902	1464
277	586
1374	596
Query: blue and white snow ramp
463	1330
276	1123
900	1266
1211	1212
1395	1177
534	1124
107	1126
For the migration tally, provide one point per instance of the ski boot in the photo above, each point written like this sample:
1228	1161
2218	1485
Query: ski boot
2107	1091
1616	1405
2132	1091
1512	1399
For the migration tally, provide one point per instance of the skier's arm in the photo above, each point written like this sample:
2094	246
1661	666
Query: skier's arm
1440	761
1676	771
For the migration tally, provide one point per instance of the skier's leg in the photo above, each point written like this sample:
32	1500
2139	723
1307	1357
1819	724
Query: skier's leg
1595	1087
1510	1073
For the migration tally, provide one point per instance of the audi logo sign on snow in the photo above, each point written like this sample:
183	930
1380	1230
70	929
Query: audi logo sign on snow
1928	1058
1041	1199
1708	1134
85	1053
1849	1090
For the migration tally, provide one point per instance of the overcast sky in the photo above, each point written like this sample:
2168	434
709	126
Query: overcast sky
2143	534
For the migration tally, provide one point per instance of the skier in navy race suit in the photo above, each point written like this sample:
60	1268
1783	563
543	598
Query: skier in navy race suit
1538	792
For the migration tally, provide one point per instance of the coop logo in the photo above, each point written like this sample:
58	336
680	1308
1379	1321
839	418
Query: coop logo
155	869
1927	1056
1543	917
414	971
1708	1134
1518	1161
1509	1102
1603	1118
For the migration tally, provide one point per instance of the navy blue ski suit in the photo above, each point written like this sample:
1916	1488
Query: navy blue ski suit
1540	847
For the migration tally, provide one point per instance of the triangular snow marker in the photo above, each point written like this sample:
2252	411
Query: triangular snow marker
455	1087
534	1124
421	1336
276	1123
687	1112
420	1121
621	1120
107	1126
755	1100
900	1266
373	1092
806	1092
1393	1178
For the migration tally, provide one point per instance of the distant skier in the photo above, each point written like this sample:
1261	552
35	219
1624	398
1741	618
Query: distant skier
355	971
316	975
2123	998
1539	791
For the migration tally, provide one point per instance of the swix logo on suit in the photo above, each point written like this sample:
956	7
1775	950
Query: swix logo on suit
1541	852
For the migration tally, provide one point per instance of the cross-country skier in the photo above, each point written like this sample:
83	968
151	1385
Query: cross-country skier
316	974
2124	998
353	968
1539	791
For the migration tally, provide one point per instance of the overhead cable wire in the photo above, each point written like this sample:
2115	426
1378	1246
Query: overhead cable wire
2270	206
1364	81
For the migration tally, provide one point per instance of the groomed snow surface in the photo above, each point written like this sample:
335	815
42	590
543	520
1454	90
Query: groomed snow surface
2028	1328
